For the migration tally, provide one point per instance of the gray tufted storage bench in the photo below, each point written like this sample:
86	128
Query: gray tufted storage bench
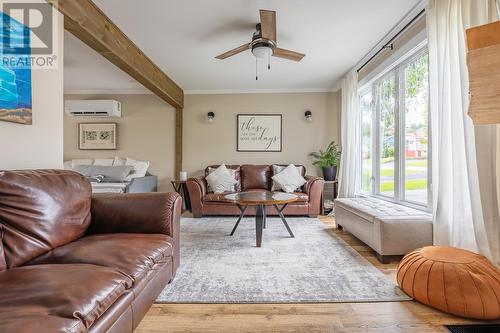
388	228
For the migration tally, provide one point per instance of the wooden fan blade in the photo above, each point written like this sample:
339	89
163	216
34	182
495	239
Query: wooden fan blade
287	54
232	52
268	24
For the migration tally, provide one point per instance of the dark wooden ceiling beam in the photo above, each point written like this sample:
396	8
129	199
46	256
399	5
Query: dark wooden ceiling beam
89	24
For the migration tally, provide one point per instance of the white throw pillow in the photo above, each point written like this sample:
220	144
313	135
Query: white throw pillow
233	172
103	161
68	165
221	180
289	179
277	169
119	161
81	161
140	168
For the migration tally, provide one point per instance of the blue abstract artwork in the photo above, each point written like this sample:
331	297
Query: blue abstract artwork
15	80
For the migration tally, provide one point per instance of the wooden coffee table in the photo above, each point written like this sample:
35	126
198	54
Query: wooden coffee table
261	200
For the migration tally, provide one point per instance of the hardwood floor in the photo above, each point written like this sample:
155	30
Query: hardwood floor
383	317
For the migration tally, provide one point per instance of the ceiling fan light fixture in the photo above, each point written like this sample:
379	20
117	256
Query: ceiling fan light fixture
262	51
263	44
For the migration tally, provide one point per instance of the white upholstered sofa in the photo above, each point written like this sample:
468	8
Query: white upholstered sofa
139	180
388	228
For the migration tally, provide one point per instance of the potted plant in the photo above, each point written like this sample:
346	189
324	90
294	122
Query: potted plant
328	160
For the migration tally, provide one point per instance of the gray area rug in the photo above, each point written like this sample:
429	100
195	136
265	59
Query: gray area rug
315	266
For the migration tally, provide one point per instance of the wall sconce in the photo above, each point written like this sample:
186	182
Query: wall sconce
308	115
210	116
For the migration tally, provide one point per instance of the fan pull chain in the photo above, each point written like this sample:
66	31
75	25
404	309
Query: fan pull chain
269	61
256	70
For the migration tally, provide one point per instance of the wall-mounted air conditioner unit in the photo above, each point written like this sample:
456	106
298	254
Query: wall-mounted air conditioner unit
93	108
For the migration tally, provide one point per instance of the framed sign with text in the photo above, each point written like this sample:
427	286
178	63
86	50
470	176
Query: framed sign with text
259	133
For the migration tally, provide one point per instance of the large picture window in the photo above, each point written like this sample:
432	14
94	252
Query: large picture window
395	132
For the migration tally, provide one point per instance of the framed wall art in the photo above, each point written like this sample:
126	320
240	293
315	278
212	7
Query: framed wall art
15	75
259	133
96	136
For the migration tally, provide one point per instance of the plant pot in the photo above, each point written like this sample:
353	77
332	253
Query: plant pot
330	173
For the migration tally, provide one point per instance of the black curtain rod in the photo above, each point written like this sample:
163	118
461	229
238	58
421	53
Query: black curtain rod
389	43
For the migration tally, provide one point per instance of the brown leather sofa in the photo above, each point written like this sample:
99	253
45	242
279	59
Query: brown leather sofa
253	178
70	262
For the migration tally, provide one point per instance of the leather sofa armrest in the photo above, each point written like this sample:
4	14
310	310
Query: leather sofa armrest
312	180
197	188
148	213
314	189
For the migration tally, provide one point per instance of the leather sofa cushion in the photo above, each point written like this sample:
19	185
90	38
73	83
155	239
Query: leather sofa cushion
256	177
3	263
131	254
71	296
302	197
215	197
17	321
41	210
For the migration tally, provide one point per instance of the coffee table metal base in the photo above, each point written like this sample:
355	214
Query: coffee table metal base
260	221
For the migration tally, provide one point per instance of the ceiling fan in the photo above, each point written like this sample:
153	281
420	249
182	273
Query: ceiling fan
264	41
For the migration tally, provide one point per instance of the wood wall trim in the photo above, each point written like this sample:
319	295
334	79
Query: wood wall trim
178	141
88	23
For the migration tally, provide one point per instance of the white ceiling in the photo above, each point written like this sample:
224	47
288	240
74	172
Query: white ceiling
183	36
86	71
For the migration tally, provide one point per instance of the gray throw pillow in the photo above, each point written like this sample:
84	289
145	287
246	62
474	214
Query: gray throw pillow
96	179
110	173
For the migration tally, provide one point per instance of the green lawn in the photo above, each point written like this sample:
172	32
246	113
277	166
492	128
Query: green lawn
389	172
412	167
416	163
414	184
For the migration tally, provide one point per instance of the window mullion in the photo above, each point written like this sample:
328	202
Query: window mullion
376	140
429	152
397	137
402	134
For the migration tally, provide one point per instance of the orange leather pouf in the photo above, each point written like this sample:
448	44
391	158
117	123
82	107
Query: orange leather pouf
452	280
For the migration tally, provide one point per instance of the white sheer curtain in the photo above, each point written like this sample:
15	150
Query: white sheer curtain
461	218
350	163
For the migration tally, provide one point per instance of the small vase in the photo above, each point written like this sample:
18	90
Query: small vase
330	173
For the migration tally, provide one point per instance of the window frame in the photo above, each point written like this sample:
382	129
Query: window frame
397	67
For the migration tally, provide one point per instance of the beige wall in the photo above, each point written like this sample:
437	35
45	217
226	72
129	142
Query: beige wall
145	132
214	143
39	145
